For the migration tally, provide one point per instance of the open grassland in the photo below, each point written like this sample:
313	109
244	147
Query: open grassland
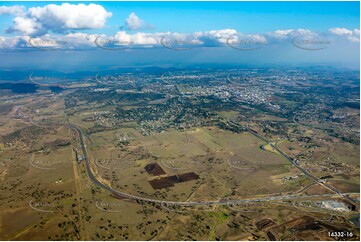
228	164
45	194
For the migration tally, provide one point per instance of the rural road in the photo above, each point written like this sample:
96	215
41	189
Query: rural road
319	181
199	203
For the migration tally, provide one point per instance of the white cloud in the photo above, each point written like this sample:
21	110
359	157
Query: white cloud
210	38
133	22
290	33
69	41
145	39
26	26
351	35
60	18
215	37
341	31
79	40
14	42
282	33
13	10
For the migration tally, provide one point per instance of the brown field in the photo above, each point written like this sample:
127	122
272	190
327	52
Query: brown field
38	165
170	181
154	169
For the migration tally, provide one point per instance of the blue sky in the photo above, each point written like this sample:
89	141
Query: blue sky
251	17
209	25
243	16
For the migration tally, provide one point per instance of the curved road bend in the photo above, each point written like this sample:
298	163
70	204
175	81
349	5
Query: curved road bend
319	181
138	198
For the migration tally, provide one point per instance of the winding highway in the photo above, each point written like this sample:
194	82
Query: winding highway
197	203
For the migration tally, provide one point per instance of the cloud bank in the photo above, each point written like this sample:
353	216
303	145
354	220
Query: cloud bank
38	21
212	38
352	35
61	26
